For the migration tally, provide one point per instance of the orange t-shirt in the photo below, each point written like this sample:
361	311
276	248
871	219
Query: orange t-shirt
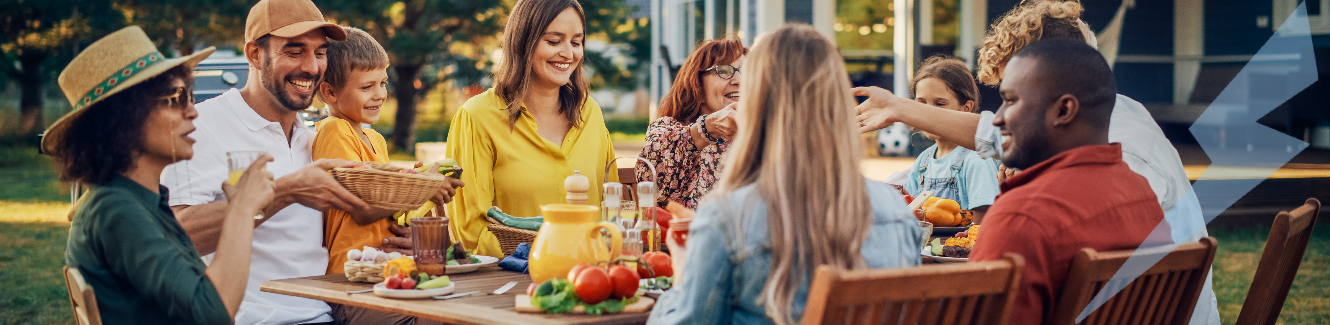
338	138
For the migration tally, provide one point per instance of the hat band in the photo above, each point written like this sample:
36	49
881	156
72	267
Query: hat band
115	79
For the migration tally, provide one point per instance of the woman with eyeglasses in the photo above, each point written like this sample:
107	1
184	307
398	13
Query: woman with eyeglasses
695	123
133	113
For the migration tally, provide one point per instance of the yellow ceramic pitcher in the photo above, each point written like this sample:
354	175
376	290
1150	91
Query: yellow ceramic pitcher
571	236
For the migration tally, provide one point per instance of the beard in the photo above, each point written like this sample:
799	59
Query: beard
277	87
1031	148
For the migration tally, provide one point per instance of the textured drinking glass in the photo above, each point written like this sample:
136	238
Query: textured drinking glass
928	231
429	240
238	161
236	164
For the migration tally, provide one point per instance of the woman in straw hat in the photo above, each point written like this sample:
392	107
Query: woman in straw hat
133	111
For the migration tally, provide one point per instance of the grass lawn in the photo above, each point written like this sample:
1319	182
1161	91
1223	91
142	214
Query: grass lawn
34	228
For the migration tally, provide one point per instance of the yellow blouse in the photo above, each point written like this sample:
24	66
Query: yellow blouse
517	170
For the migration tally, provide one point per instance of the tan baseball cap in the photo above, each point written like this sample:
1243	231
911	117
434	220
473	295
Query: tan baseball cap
287	18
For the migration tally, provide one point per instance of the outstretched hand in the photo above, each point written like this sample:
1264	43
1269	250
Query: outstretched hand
313	187
877	112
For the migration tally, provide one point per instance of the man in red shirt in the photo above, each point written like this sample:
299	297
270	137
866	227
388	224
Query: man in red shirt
1074	190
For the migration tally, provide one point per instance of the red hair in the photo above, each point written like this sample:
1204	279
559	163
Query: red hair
686	99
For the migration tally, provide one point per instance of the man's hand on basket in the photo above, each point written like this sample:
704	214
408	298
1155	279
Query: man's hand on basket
401	243
314	187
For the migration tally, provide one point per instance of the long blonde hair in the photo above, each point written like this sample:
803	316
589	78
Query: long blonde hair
803	148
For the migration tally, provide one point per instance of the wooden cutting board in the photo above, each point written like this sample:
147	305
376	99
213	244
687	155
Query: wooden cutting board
642	305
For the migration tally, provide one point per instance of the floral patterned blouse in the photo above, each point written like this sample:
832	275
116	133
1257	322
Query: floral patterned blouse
686	173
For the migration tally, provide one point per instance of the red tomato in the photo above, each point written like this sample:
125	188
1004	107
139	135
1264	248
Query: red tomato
592	285
909	199
531	289
408	284
394	283
624	281
577	269
659	263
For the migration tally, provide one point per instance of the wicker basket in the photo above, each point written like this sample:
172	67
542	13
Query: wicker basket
386	187
509	237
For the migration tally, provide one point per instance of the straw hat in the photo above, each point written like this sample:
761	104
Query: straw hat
114	63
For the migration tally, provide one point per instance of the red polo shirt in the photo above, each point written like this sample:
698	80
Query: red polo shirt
1084	197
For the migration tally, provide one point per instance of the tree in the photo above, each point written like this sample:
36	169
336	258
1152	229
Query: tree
418	34
37	39
184	25
612	21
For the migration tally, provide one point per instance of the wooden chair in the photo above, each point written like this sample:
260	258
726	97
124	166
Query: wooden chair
1279	263
81	298
628	176
1164	294
942	294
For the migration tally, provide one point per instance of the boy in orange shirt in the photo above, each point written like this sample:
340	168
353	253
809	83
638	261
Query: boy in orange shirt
355	87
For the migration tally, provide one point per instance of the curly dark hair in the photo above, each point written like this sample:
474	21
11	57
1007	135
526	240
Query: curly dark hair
104	141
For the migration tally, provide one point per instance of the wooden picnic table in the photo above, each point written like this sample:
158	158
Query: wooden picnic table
479	308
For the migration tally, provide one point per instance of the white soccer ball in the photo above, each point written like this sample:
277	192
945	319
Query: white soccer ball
894	140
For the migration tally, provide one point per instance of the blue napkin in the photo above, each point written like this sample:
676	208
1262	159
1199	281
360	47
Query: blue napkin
517	261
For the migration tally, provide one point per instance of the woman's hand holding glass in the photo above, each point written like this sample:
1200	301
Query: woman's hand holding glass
253	190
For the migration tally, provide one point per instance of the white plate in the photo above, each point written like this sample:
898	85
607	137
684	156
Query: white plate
942	259
382	290
484	261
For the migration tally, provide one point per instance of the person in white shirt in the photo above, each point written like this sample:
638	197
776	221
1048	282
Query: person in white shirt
286	41
1145	149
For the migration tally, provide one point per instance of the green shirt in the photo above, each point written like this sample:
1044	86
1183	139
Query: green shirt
138	260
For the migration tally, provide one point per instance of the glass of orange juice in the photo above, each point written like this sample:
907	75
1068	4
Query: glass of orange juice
237	162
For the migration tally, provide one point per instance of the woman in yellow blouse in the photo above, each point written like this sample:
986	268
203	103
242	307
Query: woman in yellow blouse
520	139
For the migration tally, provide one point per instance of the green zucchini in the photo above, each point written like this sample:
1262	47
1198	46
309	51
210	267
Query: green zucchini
532	223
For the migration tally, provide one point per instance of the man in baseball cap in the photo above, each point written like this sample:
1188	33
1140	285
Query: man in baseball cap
285	43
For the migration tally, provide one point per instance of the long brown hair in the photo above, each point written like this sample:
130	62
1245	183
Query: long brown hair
686	99
526	25
797	103
951	72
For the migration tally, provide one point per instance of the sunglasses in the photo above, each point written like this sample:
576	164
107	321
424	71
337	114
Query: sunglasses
724	71
179	98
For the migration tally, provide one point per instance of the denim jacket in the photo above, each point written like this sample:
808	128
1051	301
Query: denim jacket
725	271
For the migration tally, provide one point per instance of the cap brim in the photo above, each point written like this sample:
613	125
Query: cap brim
333	31
55	134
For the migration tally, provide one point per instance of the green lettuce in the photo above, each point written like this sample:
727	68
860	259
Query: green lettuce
555	296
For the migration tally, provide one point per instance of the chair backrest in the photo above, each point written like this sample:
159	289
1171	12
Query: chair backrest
628	177
1279	263
81	298
1164	294
941	294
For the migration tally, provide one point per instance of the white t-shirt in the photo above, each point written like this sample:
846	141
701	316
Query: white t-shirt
1148	153
288	245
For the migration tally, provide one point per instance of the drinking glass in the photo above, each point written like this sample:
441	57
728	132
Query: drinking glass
238	161
928	231
429	240
236	164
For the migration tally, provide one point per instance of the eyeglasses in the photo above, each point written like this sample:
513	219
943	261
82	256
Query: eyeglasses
180	97
724	71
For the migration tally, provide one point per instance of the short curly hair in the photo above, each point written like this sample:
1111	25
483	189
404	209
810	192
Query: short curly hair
1029	22
103	142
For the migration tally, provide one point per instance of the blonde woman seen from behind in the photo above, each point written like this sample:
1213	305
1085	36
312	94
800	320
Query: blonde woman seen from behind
792	185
